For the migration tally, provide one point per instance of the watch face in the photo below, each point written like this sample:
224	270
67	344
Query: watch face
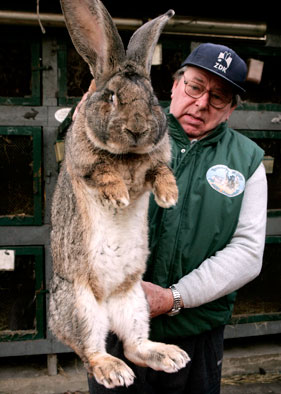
174	312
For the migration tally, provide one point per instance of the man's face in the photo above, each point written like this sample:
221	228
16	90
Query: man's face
196	115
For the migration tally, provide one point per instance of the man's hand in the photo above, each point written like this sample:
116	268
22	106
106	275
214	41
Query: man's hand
160	300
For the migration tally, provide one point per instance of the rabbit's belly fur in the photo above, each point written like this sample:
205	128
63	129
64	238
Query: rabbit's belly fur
118	246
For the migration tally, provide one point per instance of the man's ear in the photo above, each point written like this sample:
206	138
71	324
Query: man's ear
175	84
231	109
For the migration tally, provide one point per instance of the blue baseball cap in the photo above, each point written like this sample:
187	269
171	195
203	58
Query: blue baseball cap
219	60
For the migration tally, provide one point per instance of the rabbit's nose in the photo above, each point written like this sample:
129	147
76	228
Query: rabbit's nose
135	135
136	126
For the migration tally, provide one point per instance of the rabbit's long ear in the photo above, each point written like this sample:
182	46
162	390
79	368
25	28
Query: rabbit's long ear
143	42
94	36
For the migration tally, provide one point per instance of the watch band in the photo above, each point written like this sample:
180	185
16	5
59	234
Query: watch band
177	302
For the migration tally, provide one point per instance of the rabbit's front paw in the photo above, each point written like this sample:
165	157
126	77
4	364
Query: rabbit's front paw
115	194
165	190
111	371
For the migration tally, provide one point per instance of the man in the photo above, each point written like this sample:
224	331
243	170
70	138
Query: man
212	242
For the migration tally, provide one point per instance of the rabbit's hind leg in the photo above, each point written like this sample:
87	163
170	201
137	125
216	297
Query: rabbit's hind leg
129	319
79	321
107	370
156	355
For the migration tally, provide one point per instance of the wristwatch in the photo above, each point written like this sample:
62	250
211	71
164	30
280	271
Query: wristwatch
177	302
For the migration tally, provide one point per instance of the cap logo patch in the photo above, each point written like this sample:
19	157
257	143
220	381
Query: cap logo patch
223	61
225	180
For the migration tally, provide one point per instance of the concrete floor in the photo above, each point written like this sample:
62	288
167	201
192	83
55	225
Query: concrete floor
248	368
29	375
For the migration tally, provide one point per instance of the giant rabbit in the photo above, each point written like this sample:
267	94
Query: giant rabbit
116	151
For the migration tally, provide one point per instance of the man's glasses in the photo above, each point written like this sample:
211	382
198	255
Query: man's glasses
217	99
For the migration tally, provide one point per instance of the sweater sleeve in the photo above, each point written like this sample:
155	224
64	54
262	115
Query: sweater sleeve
241	260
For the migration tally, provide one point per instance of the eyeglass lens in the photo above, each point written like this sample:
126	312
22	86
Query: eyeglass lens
216	98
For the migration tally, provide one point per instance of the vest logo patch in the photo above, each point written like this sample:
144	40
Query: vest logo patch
226	181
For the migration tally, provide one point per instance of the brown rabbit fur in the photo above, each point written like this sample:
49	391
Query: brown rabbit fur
116	151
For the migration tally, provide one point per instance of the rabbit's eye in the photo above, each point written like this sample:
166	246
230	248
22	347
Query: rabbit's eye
111	97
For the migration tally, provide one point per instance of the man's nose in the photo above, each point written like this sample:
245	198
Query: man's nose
203	101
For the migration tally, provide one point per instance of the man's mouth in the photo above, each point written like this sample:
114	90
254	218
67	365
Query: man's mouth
194	119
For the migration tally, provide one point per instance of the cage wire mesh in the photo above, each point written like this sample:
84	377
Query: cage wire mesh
16	175
15	68
17	296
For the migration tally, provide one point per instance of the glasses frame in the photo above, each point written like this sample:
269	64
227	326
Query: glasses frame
202	94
